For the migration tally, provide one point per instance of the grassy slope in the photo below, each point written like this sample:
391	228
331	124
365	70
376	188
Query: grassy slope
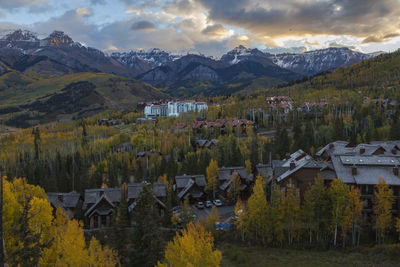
18	89
256	256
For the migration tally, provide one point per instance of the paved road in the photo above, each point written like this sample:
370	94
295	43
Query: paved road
225	212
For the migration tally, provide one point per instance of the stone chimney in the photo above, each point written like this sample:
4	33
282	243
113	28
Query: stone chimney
292	165
362	150
354	170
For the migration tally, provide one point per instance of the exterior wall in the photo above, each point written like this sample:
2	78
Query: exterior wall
302	180
173	108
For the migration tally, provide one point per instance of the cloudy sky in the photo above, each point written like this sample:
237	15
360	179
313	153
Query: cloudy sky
212	26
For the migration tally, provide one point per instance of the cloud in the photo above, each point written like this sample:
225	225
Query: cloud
380	38
13	4
83	12
216	29
143	25
278	18
72	22
338	45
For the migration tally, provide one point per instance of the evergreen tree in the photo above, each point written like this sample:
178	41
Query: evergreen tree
282	143
120	225
146	239
30	251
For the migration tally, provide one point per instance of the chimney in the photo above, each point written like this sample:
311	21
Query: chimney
354	170
396	170
292	165
331	145
362	150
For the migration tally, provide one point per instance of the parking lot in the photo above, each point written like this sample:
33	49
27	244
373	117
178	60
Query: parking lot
225	212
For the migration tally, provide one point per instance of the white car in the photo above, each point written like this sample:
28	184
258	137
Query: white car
217	202
208	204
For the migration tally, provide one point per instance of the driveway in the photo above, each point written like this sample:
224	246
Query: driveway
225	212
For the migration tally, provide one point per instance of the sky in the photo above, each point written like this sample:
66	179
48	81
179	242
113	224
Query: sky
212	27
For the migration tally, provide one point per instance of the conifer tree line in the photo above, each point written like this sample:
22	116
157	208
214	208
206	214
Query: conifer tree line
328	216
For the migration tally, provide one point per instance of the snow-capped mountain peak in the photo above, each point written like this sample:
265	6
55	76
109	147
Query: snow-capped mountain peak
155	57
20	35
313	62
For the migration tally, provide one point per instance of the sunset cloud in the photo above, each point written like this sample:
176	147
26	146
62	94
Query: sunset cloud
213	27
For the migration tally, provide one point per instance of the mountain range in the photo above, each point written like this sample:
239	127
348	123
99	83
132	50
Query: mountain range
163	69
57	78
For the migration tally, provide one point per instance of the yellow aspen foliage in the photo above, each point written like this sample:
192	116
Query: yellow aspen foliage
398	226
100	256
41	219
240	217
353	214
257	223
291	214
338	192
212	219
234	187
193	247
382	206
212	176
71	249
14	195
163	179
248	167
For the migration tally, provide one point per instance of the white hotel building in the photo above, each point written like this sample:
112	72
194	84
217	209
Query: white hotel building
174	108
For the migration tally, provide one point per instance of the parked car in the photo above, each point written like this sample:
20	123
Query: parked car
200	205
176	210
217	202
208	204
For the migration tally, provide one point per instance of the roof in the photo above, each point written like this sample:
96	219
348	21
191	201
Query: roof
300	159
182	181
265	170
101	211
371	161
64	200
93	195
134	190
206	143
387	148
186	183
225	173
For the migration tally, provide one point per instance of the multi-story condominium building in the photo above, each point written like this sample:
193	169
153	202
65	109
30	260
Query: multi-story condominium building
174	108
156	110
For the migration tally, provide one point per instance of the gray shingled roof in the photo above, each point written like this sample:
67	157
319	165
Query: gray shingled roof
92	195
301	160
64	200
370	166
182	181
101	211
225	173
342	148
265	170
134	190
